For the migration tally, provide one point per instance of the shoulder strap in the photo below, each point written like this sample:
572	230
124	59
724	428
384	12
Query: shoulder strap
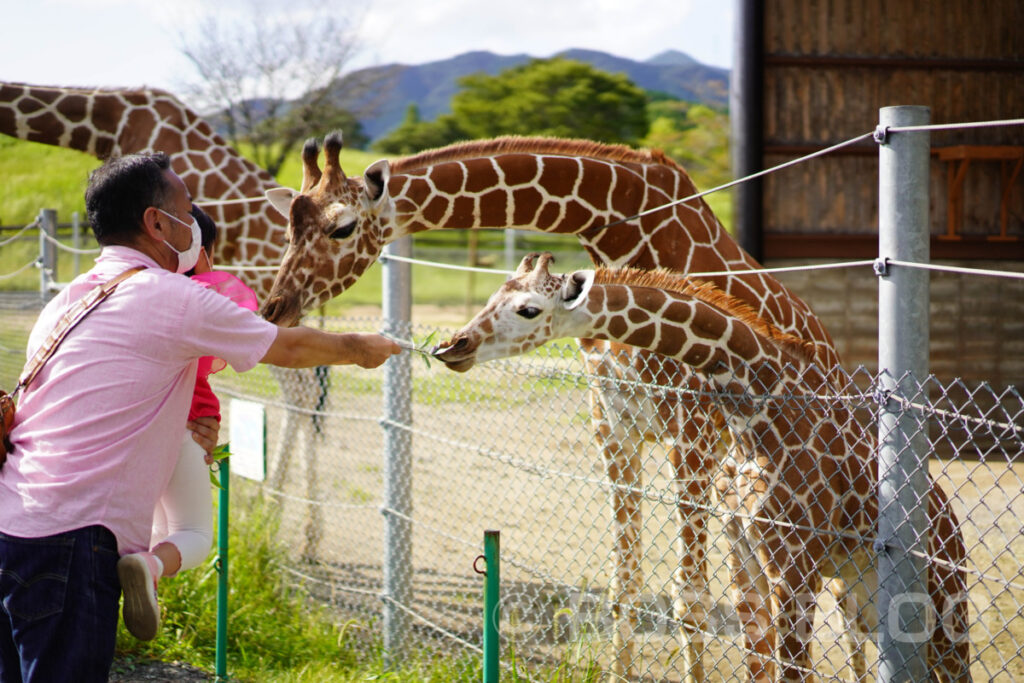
71	317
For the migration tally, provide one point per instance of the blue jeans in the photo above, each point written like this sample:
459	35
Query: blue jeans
58	606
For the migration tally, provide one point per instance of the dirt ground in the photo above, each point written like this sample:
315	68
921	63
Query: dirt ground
131	670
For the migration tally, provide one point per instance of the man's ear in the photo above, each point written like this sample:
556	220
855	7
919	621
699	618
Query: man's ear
281	199
153	226
574	291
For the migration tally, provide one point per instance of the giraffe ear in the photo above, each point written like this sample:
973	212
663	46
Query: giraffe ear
375	180
576	287
281	199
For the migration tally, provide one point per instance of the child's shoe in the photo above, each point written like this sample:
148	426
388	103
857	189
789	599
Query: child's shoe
139	573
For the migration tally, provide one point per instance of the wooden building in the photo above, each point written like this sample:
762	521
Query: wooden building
813	73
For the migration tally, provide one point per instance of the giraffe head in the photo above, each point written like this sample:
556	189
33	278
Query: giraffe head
530	309
337	227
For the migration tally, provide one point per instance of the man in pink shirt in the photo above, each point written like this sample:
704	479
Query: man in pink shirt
97	433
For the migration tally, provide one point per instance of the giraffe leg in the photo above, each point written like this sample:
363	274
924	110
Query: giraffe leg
751	593
692	464
623	468
949	654
751	598
852	600
795	603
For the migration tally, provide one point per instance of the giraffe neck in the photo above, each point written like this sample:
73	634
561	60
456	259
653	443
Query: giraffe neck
567	187
577	187
740	354
714	341
105	123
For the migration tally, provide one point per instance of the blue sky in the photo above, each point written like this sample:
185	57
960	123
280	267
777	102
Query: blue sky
128	43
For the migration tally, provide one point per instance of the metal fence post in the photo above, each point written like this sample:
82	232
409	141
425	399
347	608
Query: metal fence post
903	232
492	605
47	252
76	242
397	305
221	653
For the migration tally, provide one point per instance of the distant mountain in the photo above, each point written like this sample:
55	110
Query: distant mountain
388	90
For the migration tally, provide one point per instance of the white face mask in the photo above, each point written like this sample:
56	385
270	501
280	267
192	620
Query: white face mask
187	259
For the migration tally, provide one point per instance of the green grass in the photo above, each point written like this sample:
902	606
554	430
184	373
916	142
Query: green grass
277	633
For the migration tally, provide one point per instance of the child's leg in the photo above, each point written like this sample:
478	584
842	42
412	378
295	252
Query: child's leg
186	508
182	534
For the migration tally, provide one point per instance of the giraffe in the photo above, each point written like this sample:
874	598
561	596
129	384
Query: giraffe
108	122
339	225
801	504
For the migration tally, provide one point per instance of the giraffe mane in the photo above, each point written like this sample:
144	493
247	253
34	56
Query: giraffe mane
138	90
535	145
713	295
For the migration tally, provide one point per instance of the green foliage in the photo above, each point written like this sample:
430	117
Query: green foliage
695	135
549	97
552	97
414	135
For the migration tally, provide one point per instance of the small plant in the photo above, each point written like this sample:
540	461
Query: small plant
219	453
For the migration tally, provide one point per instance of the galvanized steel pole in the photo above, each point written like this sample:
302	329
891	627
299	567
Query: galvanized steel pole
47	253
397	510
904	607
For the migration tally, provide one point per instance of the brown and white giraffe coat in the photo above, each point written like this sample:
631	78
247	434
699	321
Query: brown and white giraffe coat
339	226
799	486
109	122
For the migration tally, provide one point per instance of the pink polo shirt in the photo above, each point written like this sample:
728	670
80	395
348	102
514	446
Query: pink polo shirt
98	432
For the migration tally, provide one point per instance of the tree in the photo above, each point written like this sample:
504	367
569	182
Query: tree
267	72
695	135
554	97
415	135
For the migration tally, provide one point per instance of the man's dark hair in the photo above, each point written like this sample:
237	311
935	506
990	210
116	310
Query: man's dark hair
121	190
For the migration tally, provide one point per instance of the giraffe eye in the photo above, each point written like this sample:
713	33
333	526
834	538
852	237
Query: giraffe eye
344	231
528	312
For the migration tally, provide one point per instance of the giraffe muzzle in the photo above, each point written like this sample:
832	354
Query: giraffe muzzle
456	354
280	311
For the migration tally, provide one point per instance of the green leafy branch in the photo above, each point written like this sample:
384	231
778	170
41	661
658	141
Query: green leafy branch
219	453
422	347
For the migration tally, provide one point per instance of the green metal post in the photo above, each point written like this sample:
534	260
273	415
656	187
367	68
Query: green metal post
222	571
492	611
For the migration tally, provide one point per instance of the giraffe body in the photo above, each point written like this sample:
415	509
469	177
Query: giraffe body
798	485
338	227
109	122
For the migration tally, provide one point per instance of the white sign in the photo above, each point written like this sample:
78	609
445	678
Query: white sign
248	439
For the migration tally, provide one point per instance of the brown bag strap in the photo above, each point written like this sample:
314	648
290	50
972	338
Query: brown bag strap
71	317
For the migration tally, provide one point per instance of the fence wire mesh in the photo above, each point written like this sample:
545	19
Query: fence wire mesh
510	446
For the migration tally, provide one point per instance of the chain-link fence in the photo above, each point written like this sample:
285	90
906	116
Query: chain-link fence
510	446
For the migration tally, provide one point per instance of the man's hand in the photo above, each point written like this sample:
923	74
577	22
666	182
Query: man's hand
205	431
371	350
305	347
